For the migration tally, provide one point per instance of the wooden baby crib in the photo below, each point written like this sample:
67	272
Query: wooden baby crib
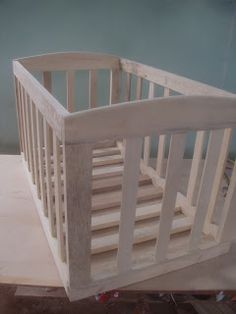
111	209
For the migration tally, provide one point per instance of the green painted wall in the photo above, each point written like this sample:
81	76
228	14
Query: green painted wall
195	38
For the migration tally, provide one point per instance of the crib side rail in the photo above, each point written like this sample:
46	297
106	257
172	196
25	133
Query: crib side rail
172	81
133	121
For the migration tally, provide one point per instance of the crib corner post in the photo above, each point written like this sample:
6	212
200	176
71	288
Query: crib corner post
77	165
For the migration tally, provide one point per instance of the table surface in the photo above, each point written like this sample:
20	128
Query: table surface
25	257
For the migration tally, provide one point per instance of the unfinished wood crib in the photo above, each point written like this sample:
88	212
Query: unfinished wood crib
113	194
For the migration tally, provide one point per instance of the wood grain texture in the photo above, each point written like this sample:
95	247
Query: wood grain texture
78	175
162	146
39	128
128	203
93	89
195	168
170	193
58	199
70	90
114	86
206	185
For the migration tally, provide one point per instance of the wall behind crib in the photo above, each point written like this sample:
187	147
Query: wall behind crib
196	39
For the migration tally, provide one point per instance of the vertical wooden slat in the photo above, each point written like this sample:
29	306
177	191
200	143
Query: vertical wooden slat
35	147
139	88
77	191
24	123
147	139
27	129
160	167
114	86
71	91
227	230
128	87
18	112
207	180
29	135
224	150
92	88
133	148
174	169
58	197
47	83
21	118
195	167
47	80
39	126
48	154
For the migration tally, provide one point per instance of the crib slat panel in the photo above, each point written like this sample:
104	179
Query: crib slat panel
128	87
92	88
48	154
219	173
147	139
58	198
35	147
160	168
133	147
114	86
71	90
207	180
39	127
226	231
195	167
78	191
175	159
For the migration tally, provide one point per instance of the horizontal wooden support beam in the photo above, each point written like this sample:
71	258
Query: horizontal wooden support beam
113	219
113	199
109	242
176	114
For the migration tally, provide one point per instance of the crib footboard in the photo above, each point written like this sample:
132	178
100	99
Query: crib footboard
112	209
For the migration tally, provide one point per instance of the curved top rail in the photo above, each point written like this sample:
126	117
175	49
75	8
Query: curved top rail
174	114
70	61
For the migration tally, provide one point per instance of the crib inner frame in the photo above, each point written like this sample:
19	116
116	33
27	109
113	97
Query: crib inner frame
111	217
